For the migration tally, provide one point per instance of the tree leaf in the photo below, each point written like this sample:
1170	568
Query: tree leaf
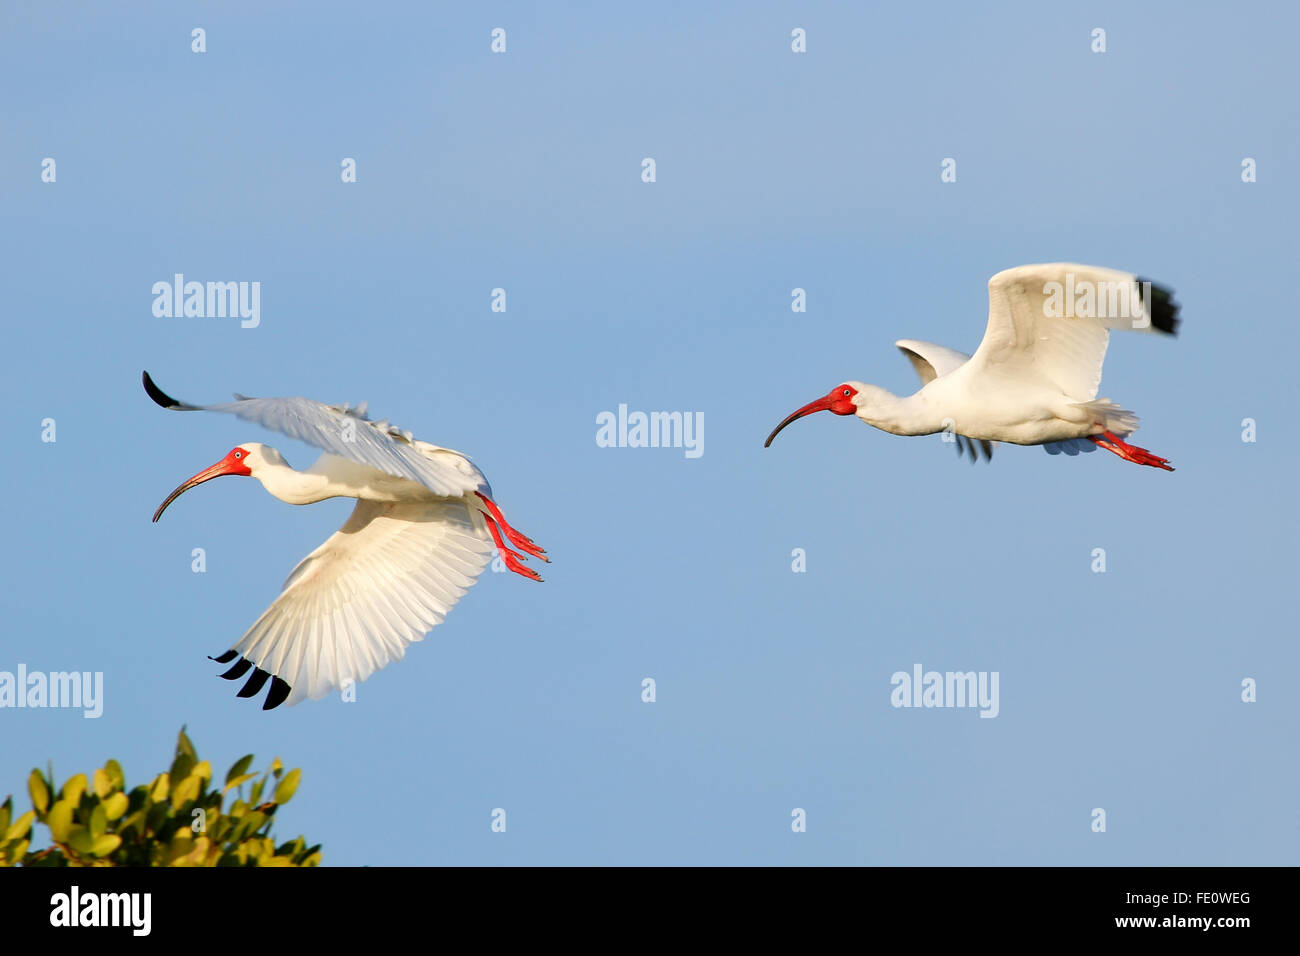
230	784
103	785
98	821
181	768
17	850
20	827
252	821
288	786
116	805
183	746
105	844
115	775
182	843
74	788
161	787
132	826
59	820
239	769
187	790
39	792
80	841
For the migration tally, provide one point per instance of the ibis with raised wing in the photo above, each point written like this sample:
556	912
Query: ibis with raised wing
422	531
1034	378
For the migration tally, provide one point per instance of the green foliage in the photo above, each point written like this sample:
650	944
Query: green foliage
178	819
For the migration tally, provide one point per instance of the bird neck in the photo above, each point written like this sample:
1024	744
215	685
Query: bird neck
297	487
897	414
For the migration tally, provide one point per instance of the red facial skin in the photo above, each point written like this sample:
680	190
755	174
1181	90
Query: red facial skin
232	464
839	400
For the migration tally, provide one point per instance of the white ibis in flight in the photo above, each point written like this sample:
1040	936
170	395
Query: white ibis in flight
415	542
1033	380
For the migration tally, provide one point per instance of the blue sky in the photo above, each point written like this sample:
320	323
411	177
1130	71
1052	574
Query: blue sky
775	170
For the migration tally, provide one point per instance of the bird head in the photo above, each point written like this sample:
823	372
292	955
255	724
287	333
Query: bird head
243	459
844	399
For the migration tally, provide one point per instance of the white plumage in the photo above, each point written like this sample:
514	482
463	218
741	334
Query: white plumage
344	430
1034	378
382	581
422	531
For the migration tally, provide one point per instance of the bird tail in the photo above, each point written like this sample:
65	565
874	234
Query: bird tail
1118	421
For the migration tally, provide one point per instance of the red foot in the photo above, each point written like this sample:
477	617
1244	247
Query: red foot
521	541
1139	456
511	558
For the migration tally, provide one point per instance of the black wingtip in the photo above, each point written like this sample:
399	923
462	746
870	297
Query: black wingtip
1162	307
157	394
239	669
255	683
280	689
162	398
279	693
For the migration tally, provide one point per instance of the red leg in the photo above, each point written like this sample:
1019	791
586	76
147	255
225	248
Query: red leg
521	541
1139	456
511	558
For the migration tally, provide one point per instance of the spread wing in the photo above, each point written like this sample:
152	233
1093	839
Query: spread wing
346	431
1052	322
351	607
931	361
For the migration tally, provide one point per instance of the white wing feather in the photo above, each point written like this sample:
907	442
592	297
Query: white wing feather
382	581
1024	341
931	361
346	431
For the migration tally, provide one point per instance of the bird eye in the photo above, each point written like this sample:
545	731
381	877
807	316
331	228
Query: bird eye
239	454
846	393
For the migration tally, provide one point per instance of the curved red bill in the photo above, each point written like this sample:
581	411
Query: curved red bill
839	401
230	465
821	405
